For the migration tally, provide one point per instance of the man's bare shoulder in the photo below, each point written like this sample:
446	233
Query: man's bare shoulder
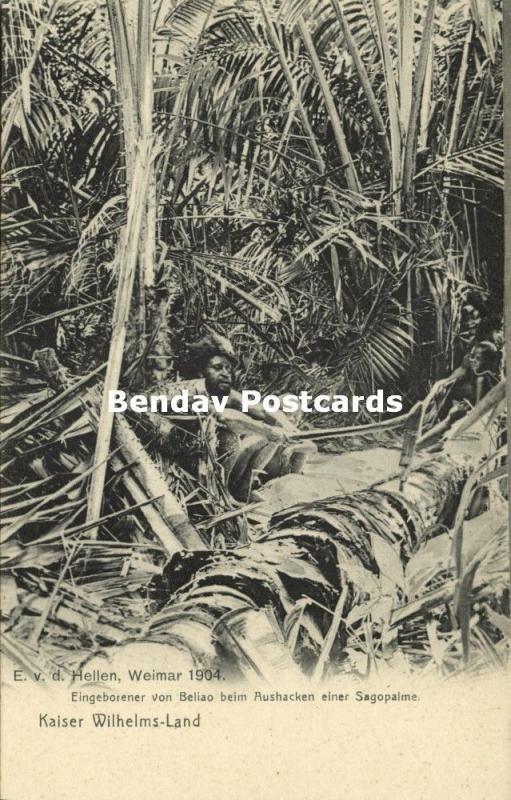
172	388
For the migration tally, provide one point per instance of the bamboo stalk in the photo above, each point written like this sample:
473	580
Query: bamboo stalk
127	260
145	98
406	26
364	80
392	98
134	69
333	115
293	88
460	92
426	101
420	73
126	82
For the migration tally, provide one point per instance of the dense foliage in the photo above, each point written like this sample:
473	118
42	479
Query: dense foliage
325	186
322	182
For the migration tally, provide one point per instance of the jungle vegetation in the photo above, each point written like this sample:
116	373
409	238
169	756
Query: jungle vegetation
320	180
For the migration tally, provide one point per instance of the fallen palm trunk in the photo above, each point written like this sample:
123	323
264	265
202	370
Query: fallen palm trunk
355	540
167	519
354	546
347	554
325	569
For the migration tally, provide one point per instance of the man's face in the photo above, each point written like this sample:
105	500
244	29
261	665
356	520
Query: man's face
218	375
477	360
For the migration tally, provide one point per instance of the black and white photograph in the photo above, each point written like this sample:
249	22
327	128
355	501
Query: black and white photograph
253	356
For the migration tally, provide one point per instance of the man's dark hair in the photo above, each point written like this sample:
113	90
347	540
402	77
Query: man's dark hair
213	344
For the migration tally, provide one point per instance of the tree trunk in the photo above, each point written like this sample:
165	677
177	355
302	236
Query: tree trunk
167	519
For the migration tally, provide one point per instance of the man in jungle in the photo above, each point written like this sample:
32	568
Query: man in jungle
251	447
476	375
455	395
